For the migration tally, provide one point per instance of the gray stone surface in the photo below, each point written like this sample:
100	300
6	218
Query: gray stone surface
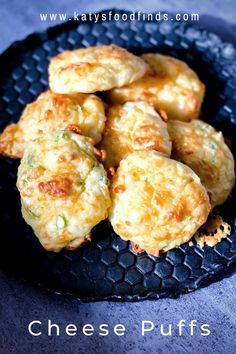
20	303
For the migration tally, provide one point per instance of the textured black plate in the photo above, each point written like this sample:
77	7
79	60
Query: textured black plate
107	268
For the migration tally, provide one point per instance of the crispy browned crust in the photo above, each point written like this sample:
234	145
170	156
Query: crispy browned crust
110	172
8	142
136	248
213	231
74	128
59	187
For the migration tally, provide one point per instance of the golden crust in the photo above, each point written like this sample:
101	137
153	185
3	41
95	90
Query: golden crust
212	232
170	85
133	126
157	203
64	189
201	147
94	69
79	113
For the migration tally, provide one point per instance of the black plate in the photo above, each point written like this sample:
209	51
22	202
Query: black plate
107	268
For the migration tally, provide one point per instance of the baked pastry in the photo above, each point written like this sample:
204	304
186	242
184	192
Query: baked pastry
201	147
64	189
94	69
157	203
133	126
169	85
79	113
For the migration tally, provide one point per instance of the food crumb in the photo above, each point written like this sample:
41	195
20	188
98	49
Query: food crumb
212	232
136	248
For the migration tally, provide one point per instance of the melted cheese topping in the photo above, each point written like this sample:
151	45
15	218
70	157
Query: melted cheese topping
64	189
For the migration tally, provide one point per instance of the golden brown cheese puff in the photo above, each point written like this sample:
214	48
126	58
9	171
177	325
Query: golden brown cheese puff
64	189
79	113
133	126
94	69
201	147
170	85
157	203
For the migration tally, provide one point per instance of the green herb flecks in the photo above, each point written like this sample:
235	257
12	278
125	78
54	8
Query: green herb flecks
31	159
32	213
66	136
104	180
213	152
61	222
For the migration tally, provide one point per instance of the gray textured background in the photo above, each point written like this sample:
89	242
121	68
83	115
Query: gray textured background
21	17
20	303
